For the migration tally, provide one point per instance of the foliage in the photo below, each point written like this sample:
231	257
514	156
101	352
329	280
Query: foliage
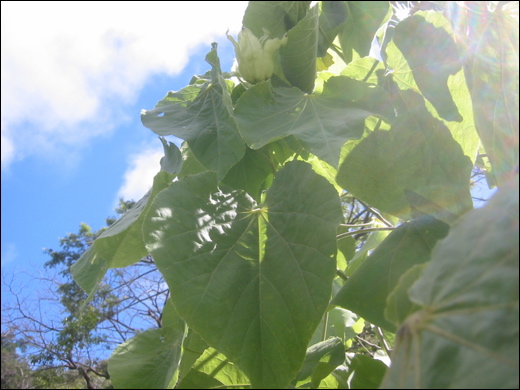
272	283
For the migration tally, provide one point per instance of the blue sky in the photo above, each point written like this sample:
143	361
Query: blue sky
75	77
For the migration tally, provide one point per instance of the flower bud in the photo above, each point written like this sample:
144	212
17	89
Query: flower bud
255	56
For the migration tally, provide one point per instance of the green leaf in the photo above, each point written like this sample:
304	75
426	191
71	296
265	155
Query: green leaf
190	164
149	359
254	173
201	114
323	123
121	244
367	290
494	83
373	240
364	19
277	17
252	280
321	359
192	348
365	69
340	323
172	160
450	96
367	373
468	326
398	304
432	56
332	19
346	249
214	369
298	57
416	164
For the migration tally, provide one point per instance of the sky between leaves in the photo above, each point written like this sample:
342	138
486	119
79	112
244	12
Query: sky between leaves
75	77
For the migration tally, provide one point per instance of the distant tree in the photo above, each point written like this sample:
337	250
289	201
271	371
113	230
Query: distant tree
63	334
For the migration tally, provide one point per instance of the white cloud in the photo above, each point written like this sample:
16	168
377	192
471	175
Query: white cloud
9	253
138	178
65	64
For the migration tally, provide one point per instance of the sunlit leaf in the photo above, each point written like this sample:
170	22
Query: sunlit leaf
448	98
252	280
492	39
212	369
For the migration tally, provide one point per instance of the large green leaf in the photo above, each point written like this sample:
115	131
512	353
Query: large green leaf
201	114
444	87
252	280
364	19
121	244
298	57
277	17
150	359
366	291
323	123
466	335
493	70
415	166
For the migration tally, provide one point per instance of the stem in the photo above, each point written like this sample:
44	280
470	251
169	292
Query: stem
325	324
377	214
341	274
381	336
360	231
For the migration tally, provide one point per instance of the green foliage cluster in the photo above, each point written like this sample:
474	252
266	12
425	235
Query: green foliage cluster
246	221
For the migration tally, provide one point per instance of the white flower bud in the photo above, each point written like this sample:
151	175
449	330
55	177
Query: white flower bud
255	56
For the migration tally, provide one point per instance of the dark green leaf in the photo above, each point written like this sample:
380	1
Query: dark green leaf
255	171
201	115
366	291
298	57
467	328
367	373
253	281
398	304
